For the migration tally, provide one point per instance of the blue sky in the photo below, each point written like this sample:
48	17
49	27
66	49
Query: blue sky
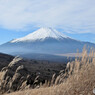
75	18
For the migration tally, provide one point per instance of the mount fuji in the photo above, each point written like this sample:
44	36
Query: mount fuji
44	41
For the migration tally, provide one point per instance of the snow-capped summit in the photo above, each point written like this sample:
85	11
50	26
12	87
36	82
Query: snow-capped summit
41	34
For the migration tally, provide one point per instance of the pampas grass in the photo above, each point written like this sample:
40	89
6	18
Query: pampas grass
78	79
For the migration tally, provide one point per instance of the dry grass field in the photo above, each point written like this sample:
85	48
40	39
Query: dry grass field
79	79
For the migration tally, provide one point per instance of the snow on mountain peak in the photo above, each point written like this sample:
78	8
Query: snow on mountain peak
41	34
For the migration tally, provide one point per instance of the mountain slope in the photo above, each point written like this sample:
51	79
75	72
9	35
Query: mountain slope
44	41
4	60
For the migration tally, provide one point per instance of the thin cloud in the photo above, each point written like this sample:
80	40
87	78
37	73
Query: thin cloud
73	16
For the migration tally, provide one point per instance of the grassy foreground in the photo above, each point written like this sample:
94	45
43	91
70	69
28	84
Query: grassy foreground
79	79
